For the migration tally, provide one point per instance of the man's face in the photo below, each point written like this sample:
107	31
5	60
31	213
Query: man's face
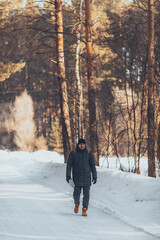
81	146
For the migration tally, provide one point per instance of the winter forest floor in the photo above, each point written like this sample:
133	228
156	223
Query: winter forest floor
36	202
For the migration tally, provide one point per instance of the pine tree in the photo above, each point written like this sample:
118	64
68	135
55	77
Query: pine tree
91	82
65	117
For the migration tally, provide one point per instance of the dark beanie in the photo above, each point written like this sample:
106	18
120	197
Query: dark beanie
81	140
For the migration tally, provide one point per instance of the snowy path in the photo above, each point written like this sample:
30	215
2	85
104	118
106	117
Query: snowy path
33	211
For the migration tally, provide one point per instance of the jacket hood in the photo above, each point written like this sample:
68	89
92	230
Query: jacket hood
80	150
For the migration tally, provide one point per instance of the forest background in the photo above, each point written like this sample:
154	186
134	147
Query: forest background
30	88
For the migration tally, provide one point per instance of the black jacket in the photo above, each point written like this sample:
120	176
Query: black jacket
81	163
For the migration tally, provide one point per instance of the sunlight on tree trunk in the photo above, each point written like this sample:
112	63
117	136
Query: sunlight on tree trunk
79	92
91	82
65	118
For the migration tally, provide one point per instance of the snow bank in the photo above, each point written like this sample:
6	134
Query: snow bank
127	163
132	198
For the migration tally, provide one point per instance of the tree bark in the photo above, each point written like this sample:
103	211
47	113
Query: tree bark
79	92
151	127
65	117
91	82
158	149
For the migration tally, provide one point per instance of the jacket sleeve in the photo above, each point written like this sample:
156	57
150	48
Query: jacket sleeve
69	165
92	165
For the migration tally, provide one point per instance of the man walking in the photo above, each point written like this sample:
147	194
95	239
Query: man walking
81	163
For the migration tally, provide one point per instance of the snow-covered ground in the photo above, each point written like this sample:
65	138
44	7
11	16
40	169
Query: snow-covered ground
36	202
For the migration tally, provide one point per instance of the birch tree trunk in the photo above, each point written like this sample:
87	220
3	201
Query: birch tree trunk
151	127
91	83
79	95
65	118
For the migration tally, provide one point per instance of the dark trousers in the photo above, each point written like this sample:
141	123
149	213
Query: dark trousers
86	195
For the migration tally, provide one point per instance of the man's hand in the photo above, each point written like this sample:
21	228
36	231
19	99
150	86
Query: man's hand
68	178
94	180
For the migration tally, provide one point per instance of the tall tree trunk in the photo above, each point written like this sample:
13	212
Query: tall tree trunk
79	92
65	118
91	83
151	129
158	149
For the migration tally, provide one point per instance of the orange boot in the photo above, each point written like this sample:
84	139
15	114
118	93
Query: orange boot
84	212
76	208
